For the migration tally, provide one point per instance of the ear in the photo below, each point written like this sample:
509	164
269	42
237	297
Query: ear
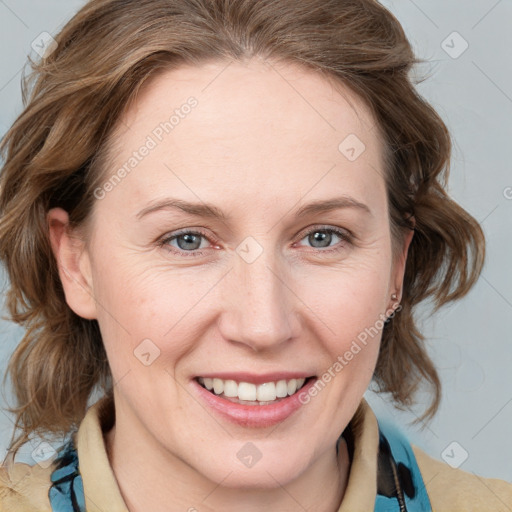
73	263
400	262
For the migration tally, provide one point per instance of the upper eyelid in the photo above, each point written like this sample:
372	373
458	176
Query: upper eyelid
334	229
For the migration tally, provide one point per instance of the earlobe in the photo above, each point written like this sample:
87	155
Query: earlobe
73	263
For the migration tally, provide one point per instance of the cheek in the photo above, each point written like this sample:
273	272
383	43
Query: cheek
141	303
348	307
347	300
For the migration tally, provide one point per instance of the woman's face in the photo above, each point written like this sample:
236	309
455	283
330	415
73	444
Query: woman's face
246	240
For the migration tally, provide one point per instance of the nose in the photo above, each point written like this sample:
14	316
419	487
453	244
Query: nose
258	304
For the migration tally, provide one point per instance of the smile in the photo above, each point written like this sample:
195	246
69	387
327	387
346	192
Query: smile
248	393
278	393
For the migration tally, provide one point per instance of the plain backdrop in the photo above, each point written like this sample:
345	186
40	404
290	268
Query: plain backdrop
467	46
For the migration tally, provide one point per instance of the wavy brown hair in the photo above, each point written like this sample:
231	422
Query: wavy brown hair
55	155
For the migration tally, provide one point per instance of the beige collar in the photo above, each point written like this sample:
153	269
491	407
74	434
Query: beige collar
100	485
362	481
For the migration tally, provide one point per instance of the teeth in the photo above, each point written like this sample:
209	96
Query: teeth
218	386
266	392
281	389
246	391
230	388
292	386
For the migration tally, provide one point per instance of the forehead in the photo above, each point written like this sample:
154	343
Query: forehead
251	124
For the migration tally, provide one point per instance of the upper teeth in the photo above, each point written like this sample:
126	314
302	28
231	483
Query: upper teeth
265	392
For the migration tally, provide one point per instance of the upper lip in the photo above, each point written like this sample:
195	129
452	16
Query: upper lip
256	378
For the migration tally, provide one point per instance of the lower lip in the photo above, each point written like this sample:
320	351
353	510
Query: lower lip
255	416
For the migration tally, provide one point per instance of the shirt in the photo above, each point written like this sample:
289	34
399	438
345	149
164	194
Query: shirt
387	473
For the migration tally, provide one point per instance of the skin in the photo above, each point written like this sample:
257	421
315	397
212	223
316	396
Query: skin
258	149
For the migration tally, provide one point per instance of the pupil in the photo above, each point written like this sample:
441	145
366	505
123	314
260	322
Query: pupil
320	236
188	239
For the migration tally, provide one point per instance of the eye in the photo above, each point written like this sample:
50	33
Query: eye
322	237
185	242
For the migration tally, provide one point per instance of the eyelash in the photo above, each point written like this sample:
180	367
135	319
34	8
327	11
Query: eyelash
345	237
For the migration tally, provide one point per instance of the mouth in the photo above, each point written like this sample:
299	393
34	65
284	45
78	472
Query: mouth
253	394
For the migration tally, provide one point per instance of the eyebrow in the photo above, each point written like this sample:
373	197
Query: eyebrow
210	211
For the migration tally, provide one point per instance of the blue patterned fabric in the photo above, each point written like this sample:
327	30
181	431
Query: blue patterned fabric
67	491
400	486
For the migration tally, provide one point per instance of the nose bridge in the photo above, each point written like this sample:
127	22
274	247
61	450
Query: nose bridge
261	305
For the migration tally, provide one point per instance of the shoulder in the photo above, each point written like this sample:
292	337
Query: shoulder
454	490
24	487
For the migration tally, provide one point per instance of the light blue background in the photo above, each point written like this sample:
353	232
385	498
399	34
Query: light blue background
471	340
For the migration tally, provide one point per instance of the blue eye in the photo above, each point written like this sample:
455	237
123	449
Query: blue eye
186	242
322	237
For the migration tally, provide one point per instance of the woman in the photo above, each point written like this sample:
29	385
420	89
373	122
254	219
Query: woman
219	216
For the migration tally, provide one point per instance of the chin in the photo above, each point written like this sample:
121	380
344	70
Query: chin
249	468
262	476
